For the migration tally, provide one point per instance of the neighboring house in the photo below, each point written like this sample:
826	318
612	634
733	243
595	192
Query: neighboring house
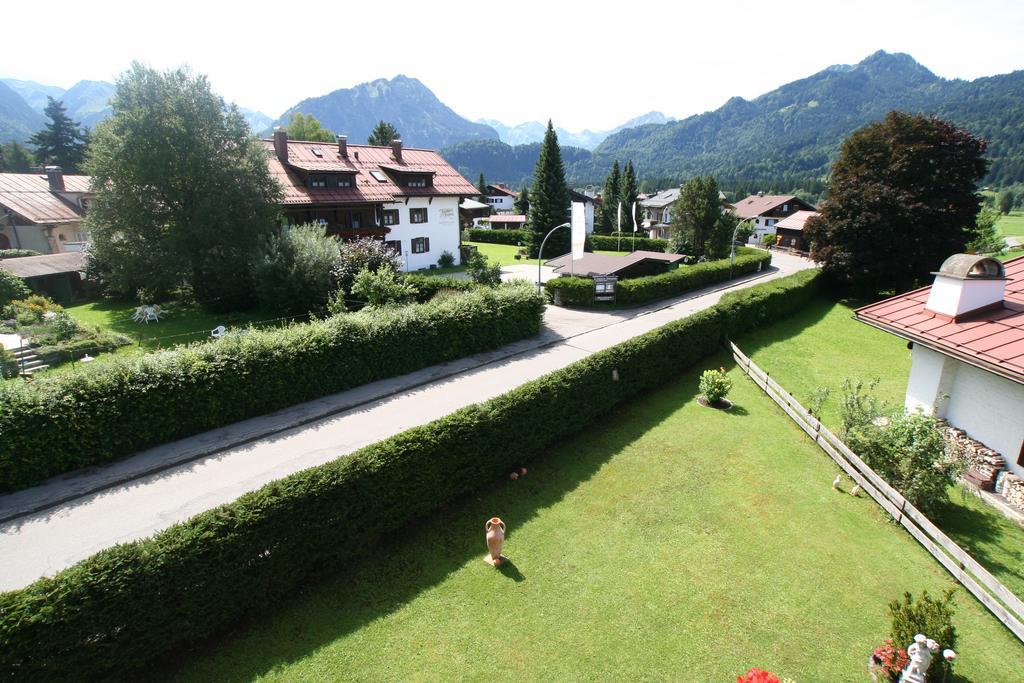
967	336
637	264
470	210
765	211
588	207
502	221
501	198
43	212
790	230
57	276
407	197
657	212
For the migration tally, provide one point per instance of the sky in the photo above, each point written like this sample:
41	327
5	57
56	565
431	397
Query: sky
584	66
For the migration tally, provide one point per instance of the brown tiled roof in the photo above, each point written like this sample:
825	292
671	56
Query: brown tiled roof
48	264
607	264
755	205
992	340
29	196
503	189
361	160
795	221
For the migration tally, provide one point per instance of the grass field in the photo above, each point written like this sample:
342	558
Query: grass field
671	542
1011	224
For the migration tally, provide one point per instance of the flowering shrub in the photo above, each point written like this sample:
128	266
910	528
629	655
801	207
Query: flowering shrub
715	385
756	675
891	659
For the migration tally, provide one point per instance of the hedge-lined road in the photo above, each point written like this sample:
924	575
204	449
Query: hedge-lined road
44	542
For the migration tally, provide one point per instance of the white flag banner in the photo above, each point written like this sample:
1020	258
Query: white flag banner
618	227
579	230
634	217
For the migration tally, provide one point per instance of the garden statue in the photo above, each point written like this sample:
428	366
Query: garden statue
495	539
920	652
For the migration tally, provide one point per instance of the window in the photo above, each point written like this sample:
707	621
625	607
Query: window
420	245
317	181
390	216
316	152
416	182
344	181
379	177
418	216
394	245
785	208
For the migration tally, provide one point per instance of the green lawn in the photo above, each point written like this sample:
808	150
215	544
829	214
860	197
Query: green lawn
670	542
1011	224
502	254
179	324
823	346
1012	253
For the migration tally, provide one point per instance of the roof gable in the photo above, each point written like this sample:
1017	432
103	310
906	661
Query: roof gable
757	205
29	196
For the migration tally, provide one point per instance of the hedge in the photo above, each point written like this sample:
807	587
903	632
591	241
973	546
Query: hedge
640	290
140	602
427	286
18	253
613	243
119	405
513	237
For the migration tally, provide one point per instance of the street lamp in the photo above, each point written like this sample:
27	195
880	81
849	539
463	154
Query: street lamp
732	253
541	250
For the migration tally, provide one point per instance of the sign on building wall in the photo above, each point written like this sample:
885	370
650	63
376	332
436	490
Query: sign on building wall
447	215
579	229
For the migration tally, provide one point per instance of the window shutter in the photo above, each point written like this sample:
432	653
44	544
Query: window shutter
426	244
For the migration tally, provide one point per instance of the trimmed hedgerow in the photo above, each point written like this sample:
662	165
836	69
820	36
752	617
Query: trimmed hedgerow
613	243
109	409
513	237
571	291
428	286
18	253
134	603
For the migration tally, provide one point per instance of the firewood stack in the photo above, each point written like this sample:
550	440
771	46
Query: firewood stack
983	463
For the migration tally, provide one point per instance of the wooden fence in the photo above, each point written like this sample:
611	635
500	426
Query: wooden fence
999	600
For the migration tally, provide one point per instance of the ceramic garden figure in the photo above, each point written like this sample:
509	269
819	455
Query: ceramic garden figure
495	539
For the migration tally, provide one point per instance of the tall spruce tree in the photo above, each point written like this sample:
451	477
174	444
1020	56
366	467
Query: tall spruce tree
610	198
14	158
382	134
62	143
628	192
481	185
549	200
522	203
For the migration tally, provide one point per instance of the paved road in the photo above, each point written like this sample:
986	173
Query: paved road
92	510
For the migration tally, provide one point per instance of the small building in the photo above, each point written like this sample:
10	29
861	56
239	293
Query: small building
502	221
58	276
765	211
967	364
44	212
407	197
789	232
470	210
637	264
501	198
657	212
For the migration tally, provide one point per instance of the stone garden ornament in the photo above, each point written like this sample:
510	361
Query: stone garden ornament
495	529
920	652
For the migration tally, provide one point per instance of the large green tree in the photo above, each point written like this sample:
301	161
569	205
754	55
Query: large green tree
629	190
1005	202
902	199
698	226
14	158
481	184
307	127
522	203
184	197
549	200
382	134
610	198
62	143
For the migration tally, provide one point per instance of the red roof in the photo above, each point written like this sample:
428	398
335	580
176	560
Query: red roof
29	196
507	218
992	340
503	189
361	160
796	221
756	205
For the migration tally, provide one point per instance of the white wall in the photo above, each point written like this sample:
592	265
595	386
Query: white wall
503	204
442	227
31	236
988	407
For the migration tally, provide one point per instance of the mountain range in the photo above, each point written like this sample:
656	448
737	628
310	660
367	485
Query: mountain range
533	131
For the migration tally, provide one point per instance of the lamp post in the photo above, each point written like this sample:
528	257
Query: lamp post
732	252
540	251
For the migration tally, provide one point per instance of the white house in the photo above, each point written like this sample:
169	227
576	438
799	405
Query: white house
765	211
43	212
409	198
967	336
501	198
657	212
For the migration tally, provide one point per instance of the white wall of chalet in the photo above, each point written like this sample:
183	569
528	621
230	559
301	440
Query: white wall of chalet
441	228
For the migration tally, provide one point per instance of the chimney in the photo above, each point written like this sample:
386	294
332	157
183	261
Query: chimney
396	149
55	176
760	193
281	144
965	284
343	146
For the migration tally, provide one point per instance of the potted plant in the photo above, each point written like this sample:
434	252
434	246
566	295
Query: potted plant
887	662
714	386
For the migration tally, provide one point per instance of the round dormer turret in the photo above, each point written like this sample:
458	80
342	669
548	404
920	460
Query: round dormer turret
965	284
972	266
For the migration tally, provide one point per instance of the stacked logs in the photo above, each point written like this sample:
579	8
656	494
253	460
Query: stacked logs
983	463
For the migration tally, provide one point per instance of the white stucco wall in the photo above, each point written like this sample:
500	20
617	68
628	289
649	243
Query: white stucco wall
442	227
953	296
988	407
31	237
502	204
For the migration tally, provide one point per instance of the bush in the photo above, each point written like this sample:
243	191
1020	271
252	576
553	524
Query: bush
12	288
513	237
571	291
483	271
612	242
426	286
120	405
17	253
381	288
928	616
292	274
446	260
133	603
714	385
357	255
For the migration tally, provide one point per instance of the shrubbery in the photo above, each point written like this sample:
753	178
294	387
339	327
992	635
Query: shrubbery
119	405
17	253
293	273
931	617
428	286
135	602
512	237
12	288
358	255
614	243
714	385
571	291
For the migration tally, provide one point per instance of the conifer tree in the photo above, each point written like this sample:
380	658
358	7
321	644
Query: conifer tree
382	135
522	203
62	142
628	192
549	200
14	158
610	198
481	185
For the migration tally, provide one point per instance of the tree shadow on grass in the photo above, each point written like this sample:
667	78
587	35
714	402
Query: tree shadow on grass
413	560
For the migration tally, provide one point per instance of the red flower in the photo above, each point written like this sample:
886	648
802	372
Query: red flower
756	675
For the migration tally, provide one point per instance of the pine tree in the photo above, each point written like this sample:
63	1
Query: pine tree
382	135
628	192
481	185
522	203
14	158
62	143
610	198
549	200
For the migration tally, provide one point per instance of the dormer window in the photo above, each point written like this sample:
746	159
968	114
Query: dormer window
416	182
345	181
317	181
